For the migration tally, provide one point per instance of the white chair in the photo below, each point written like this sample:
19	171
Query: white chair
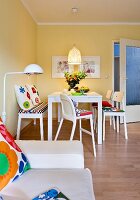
105	103
69	113
37	112
117	111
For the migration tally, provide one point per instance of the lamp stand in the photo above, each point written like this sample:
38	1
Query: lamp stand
4	94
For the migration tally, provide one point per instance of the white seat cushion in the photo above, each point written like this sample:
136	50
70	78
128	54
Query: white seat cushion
53	154
75	184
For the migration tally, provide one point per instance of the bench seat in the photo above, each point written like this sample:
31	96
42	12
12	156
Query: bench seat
37	112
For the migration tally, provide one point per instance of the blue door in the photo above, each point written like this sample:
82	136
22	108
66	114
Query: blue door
130	77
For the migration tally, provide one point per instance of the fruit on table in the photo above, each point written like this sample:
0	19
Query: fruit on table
84	88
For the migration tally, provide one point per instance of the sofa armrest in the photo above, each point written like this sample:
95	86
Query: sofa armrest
53	154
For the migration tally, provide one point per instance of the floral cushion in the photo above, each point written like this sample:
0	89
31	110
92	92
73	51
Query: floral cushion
23	97
13	162
81	112
34	94
74	103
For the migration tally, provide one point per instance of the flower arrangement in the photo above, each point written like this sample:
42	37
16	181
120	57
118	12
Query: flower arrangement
74	78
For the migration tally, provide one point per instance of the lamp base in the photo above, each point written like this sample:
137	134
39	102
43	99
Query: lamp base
4	117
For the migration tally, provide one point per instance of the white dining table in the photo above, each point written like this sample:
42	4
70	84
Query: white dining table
86	98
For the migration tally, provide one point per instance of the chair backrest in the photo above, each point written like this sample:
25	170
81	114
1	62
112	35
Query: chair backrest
68	110
109	94
118	98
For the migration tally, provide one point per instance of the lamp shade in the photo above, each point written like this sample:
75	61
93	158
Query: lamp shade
74	56
33	69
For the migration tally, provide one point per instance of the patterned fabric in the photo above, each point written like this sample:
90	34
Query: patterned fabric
40	108
13	162
80	112
52	194
23	97
34	94
112	109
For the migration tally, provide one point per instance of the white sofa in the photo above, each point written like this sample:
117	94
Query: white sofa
53	164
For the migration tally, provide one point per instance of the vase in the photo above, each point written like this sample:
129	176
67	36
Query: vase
72	85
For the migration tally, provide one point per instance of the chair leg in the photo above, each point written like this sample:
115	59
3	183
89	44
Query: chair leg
117	124
59	129
73	130
114	126
103	127
41	128
92	134
18	128
110	121
125	128
34	121
80	126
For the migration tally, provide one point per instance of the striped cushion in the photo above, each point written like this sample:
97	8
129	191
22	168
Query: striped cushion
40	108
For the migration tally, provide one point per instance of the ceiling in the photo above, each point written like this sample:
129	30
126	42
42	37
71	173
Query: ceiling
89	11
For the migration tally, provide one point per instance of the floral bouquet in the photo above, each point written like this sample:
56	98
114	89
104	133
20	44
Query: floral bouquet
74	78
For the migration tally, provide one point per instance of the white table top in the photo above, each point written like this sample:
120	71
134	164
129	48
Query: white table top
87	97
85	94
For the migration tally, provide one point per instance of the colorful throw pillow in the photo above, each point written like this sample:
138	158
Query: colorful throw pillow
34	94
23	97
13	162
53	193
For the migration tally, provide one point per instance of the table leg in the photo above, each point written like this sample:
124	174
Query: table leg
49	119
100	121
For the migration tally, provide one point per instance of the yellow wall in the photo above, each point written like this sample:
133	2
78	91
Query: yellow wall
17	49
90	40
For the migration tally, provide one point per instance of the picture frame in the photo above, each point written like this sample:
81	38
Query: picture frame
59	66
91	66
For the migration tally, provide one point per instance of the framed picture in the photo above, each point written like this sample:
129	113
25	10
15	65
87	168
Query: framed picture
91	66
59	66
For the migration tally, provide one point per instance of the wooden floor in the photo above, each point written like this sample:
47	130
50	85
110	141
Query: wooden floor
116	170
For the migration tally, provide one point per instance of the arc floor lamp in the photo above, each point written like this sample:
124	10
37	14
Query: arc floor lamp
30	70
